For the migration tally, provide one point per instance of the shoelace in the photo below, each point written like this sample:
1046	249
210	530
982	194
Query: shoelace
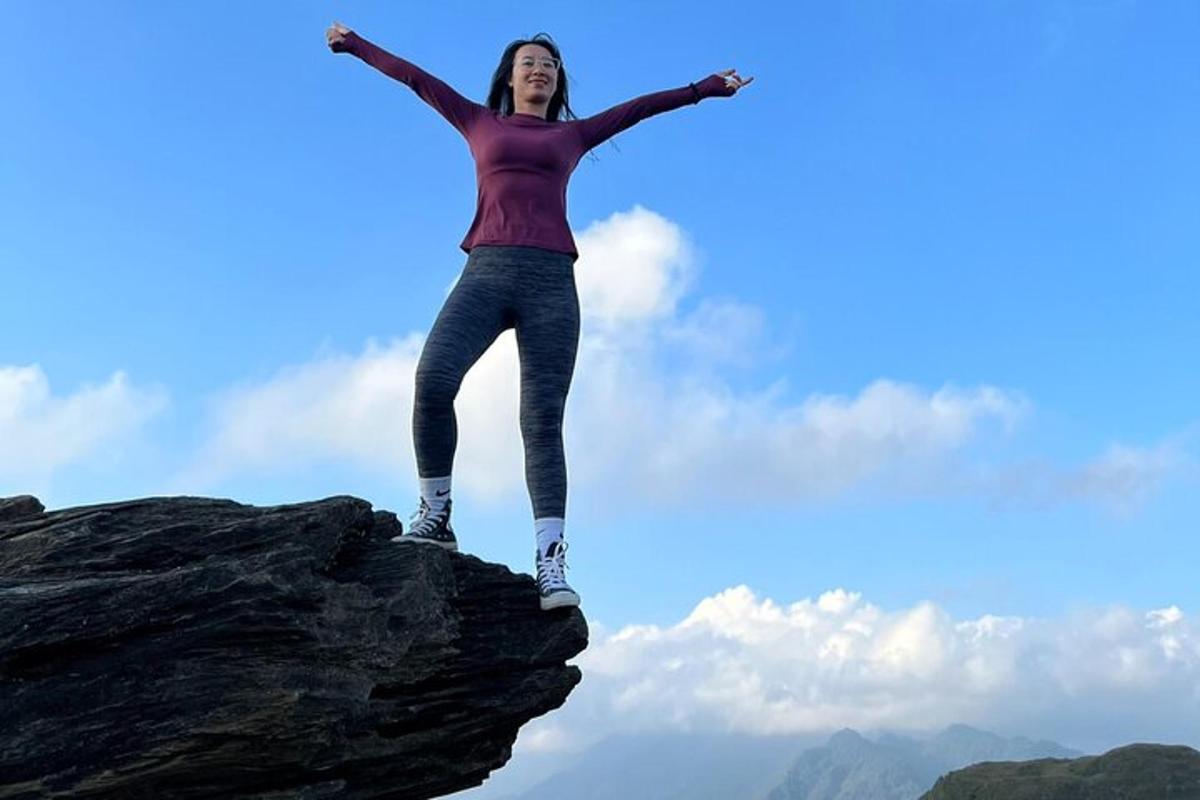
424	520
551	568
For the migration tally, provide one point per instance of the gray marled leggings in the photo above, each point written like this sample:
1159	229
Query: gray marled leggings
533	290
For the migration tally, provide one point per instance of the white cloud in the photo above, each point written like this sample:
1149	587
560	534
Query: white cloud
719	332
1122	478
740	663
632	266
549	738
336	406
359	409
645	423
1125	476
43	433
637	427
682	438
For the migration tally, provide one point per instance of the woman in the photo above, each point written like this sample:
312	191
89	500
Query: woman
519	271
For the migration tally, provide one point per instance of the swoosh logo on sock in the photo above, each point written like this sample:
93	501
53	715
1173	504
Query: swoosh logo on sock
440	493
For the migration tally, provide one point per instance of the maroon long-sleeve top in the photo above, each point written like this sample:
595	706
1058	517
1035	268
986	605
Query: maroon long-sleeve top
522	161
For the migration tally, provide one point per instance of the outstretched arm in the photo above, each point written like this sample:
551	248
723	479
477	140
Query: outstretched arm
458	110
596	129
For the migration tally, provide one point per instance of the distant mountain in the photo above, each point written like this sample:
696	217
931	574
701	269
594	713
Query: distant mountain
850	767
961	745
846	766
674	767
894	767
1134	772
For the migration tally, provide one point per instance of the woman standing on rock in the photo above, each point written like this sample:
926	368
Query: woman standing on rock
519	272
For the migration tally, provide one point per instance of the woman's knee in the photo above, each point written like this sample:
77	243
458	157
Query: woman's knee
436	387
542	419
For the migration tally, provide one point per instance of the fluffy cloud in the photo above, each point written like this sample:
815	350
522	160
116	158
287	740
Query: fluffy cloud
1122	478
746	664
1125	476
337	406
688	439
634	424
42	433
650	411
632	267
358	409
720	332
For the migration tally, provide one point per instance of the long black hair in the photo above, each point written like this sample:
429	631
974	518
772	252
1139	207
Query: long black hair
500	95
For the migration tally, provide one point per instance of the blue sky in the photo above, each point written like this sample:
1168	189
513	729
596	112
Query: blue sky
922	299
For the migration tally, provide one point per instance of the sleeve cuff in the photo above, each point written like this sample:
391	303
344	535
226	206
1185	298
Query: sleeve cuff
712	86
349	43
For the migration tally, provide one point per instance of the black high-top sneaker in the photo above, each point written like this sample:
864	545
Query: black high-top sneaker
429	526
553	590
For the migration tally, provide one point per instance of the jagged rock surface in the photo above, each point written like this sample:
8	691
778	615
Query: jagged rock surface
190	647
1133	772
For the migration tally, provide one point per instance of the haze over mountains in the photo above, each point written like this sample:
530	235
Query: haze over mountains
674	766
846	766
893	767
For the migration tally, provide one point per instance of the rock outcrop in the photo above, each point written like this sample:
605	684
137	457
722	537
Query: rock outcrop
1134	772
190	647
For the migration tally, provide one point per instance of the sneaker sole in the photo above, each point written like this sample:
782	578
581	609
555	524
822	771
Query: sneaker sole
560	600
421	540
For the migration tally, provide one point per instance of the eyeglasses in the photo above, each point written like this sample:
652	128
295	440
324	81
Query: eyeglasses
550	64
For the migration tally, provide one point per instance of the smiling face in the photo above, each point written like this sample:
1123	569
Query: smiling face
534	75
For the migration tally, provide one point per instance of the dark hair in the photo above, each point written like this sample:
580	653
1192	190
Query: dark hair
500	95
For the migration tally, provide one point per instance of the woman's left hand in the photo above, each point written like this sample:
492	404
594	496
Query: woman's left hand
733	80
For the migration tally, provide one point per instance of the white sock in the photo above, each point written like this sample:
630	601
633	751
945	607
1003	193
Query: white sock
548	531
435	491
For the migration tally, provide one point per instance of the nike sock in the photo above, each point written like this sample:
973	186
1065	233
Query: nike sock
435	491
548	531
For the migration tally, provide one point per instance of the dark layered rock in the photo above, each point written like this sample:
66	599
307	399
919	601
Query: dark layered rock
189	647
22	507
1134	772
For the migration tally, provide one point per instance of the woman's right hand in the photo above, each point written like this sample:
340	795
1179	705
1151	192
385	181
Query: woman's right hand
733	81
335	36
